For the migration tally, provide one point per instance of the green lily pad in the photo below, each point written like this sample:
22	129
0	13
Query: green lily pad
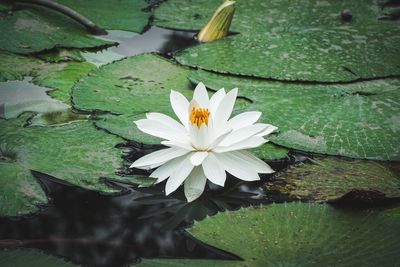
57	118
30	257
20	193
328	55
304	235
133	86
359	120
266	16
63	78
329	179
77	152
292	40
38	29
16	67
122	15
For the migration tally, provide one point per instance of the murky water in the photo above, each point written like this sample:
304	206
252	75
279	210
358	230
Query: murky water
19	96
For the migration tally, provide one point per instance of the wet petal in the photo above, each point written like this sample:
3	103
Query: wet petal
195	184
214	170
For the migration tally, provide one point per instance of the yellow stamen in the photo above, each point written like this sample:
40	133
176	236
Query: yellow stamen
199	116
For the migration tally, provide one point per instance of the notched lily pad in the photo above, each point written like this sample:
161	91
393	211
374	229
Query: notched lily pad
304	235
359	120
330	179
38	29
77	152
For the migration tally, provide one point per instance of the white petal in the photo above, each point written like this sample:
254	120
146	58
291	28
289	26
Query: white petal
244	119
237	168
252	142
213	170
157	158
194	184
197	158
199	138
178	144
165	170
216	100
179	175
180	105
201	96
220	138
251	161
243	134
270	129
161	130
164	119
224	110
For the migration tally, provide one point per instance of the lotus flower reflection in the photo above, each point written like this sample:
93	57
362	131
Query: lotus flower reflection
205	144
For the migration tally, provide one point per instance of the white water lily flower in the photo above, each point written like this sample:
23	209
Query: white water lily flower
205	144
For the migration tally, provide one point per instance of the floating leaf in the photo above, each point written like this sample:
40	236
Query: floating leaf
32	258
304	235
38	29
360	120
328	179
122	15
20	193
253	16
329	55
77	152
132	87
16	67
292	40
61	55
63	78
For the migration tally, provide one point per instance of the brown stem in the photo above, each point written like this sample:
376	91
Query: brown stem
87	23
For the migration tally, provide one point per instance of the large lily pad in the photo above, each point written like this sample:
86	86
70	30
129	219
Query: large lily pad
304	235
39	29
329	179
329	55
360	120
266	16
286	40
77	152
33	258
134	86
122	15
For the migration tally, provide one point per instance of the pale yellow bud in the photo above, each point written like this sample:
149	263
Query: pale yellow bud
218	26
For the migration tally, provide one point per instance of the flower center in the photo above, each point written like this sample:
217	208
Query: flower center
199	116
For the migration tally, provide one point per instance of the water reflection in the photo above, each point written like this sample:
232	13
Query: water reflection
160	40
